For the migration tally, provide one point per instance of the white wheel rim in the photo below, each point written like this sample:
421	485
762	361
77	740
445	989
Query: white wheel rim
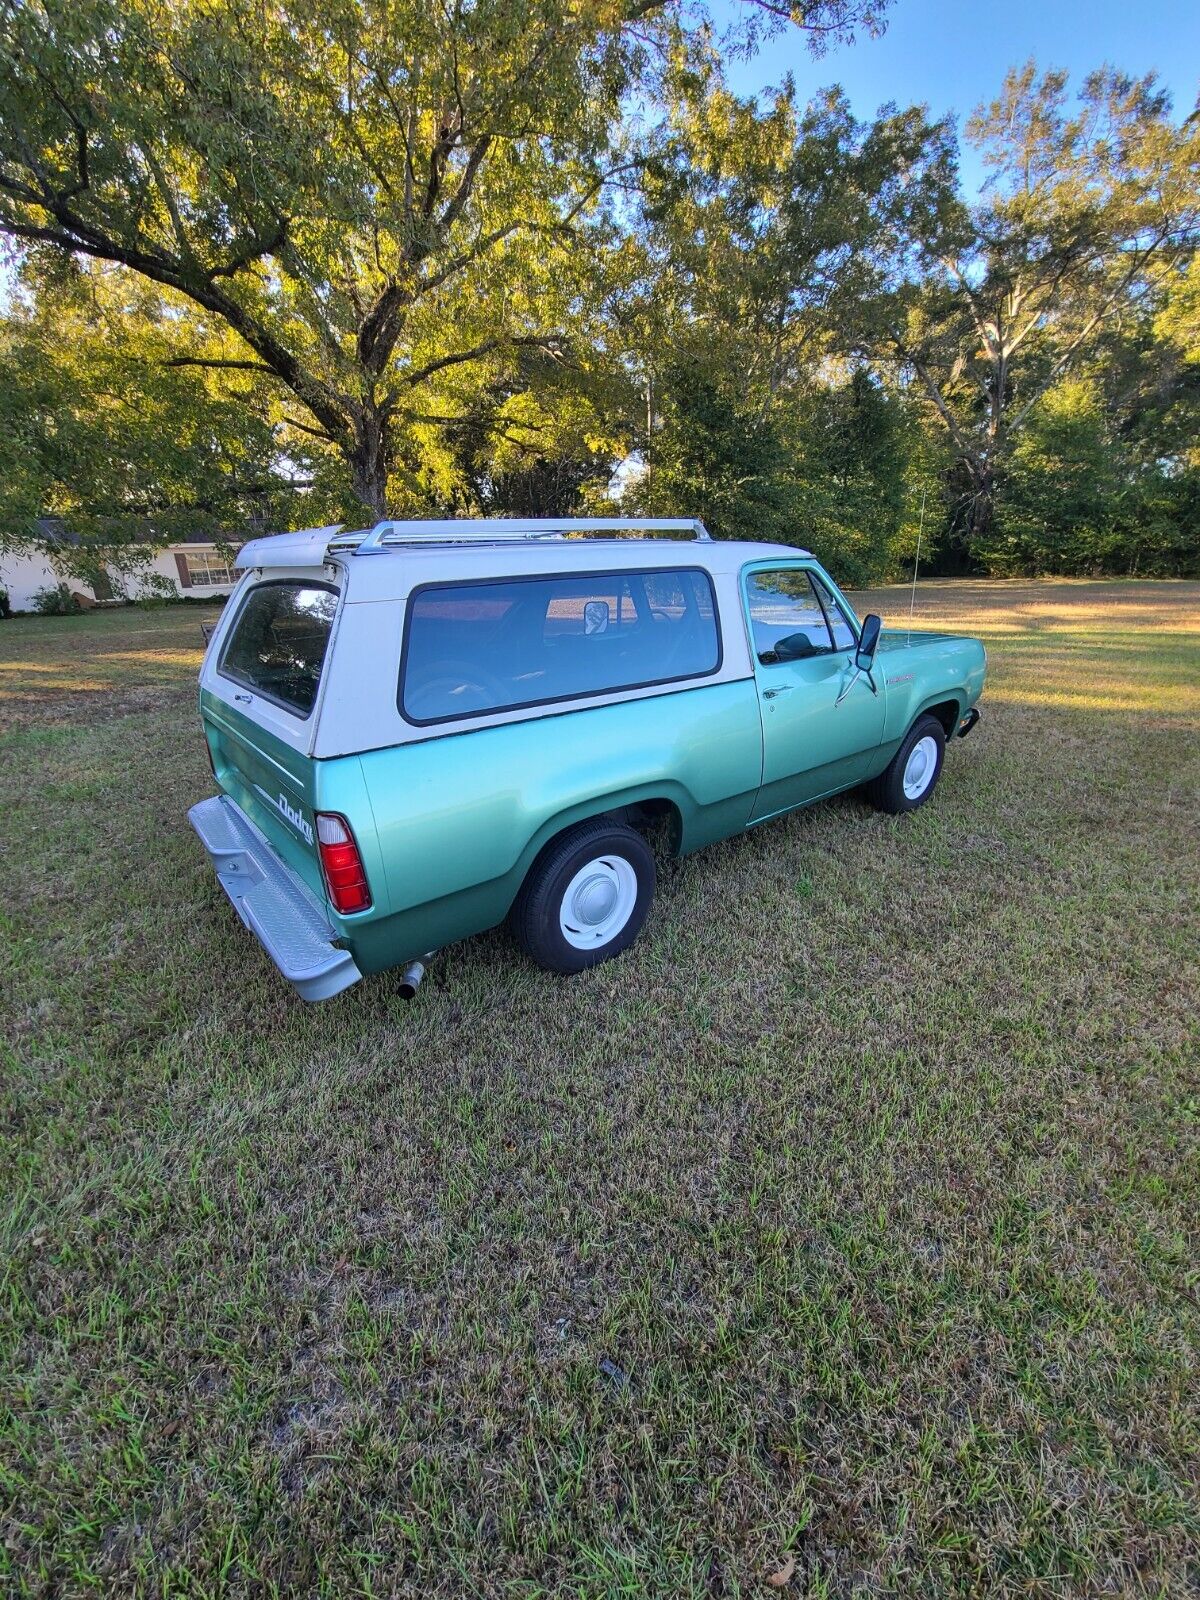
598	902
920	767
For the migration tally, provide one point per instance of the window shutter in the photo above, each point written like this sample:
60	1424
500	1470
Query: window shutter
185	577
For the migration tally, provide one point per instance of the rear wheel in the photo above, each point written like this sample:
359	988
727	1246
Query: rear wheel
911	775
586	897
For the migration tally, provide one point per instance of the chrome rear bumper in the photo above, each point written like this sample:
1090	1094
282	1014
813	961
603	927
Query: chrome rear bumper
280	910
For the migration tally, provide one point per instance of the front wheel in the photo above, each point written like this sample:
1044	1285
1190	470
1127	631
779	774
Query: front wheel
910	776
586	897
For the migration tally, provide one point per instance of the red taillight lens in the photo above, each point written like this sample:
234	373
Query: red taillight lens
341	864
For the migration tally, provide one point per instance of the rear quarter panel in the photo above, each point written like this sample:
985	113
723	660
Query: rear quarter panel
459	819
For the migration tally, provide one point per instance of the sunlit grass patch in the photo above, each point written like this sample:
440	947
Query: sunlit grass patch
98	664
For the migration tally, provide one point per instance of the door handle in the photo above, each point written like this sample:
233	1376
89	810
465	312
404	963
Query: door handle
244	698
783	688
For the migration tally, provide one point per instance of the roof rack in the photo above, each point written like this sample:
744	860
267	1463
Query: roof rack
499	530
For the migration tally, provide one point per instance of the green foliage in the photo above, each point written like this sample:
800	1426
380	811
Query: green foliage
826	473
1090	215
370	201
100	431
56	601
1062	509
852	445
718	459
1078	498
287	264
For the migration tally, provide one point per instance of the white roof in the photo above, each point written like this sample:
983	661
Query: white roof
394	557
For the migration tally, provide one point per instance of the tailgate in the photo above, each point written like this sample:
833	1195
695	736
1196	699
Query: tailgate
269	780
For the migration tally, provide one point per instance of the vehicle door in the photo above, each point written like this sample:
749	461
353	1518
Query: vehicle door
820	725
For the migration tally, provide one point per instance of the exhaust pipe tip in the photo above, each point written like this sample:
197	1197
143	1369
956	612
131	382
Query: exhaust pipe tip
410	978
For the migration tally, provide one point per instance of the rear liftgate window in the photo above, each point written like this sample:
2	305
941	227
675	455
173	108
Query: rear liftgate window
277	647
471	648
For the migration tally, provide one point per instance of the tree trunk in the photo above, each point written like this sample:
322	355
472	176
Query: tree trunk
369	458
982	511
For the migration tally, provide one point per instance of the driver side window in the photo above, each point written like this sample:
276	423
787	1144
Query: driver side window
787	621
844	636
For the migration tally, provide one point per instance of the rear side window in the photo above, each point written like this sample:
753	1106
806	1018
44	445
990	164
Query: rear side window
471	648
277	647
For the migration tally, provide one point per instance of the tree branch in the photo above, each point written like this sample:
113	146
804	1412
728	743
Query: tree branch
303	427
232	366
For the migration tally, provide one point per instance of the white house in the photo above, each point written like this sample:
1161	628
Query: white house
194	566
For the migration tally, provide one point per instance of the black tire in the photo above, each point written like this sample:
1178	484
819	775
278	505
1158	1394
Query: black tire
886	792
536	916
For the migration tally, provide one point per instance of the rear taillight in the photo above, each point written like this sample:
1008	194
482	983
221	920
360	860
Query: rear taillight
341	864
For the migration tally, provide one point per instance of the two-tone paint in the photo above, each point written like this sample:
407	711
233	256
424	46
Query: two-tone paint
449	819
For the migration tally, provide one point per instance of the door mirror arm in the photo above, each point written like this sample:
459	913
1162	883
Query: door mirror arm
859	672
864	656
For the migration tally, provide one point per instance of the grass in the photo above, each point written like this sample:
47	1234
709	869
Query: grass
846	1227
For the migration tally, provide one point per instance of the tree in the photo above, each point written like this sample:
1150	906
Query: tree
1066	481
723	461
852	450
100	432
1087	216
759	225
381	201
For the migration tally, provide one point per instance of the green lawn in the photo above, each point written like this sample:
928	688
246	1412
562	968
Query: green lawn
848	1221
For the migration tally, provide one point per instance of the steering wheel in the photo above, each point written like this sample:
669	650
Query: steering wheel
466	686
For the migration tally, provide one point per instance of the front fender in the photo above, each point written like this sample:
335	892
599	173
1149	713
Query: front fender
929	673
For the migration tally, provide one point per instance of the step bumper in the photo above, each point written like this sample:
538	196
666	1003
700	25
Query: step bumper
278	908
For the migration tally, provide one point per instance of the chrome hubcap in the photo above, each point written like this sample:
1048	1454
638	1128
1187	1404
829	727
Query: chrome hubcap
598	902
920	767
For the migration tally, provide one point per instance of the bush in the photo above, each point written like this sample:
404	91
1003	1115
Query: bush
56	602
5	606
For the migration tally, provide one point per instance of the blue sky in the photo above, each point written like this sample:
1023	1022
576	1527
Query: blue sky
953	54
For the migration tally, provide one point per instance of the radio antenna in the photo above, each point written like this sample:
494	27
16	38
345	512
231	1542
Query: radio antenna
917	562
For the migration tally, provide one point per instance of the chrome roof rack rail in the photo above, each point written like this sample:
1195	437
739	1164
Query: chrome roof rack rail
499	530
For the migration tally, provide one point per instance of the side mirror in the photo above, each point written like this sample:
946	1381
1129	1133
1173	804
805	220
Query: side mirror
868	640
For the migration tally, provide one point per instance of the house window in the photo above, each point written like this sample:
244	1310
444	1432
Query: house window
207	567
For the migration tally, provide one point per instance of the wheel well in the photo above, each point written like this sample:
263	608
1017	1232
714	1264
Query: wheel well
946	713
648	817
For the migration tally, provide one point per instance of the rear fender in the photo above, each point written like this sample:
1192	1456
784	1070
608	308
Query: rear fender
459	812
